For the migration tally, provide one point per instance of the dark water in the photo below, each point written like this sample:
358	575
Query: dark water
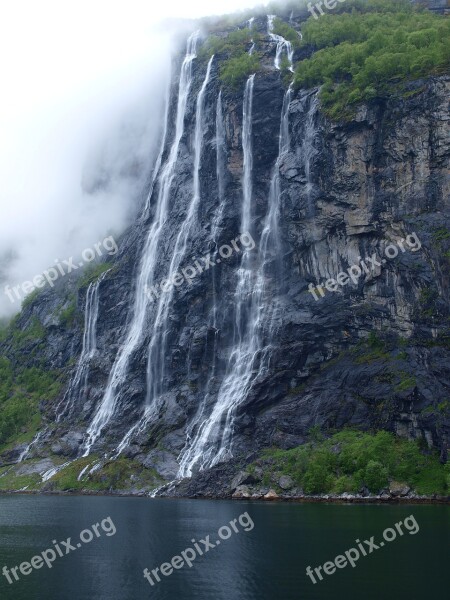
267	562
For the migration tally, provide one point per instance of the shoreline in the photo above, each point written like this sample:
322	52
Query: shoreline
326	499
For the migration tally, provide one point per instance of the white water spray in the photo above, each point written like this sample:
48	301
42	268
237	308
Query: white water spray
76	391
148	262
157	345
208	446
283	45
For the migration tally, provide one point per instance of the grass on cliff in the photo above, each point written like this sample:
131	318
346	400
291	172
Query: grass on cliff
287	31
371	52
350	460
121	474
232	50
23	388
21	392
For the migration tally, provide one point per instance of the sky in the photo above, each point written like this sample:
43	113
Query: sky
82	90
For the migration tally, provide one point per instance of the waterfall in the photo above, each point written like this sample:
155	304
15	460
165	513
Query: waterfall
270	248
240	363
308	150
282	45
148	261
220	156
159	158
220	174
26	453
157	346
250	26
77	388
52	472
191	439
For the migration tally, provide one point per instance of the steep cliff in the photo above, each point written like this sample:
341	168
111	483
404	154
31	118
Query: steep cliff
251	352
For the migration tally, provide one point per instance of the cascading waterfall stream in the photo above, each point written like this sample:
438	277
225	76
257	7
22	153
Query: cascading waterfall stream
26	453
220	174
157	345
261	317
148	265
250	26
283	45
240	364
158	163
308	149
185	457
270	246
77	387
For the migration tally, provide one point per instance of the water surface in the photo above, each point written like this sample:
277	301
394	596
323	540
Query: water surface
266	563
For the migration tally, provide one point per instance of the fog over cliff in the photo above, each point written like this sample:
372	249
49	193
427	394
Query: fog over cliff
80	116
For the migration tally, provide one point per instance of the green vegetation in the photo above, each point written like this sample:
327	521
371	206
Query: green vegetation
31	298
285	30
406	383
368	54
232	44
441	235
237	64
9	480
67	313
92	273
22	339
236	70
428	303
371	349
351	460
21	391
120	474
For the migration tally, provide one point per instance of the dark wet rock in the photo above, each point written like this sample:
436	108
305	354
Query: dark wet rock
399	489
285	482
369	182
242	491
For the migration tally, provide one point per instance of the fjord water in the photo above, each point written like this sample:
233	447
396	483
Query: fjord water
266	563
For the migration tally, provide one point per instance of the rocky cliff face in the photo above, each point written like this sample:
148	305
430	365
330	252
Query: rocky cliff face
372	354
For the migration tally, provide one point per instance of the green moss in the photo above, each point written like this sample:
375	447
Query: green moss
285	30
13	482
441	235
31	298
92	273
67	478
365	54
120	474
236	64
233	44
372	349
351	459
21	392
406	383
68	314
237	69
21	339
344	483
